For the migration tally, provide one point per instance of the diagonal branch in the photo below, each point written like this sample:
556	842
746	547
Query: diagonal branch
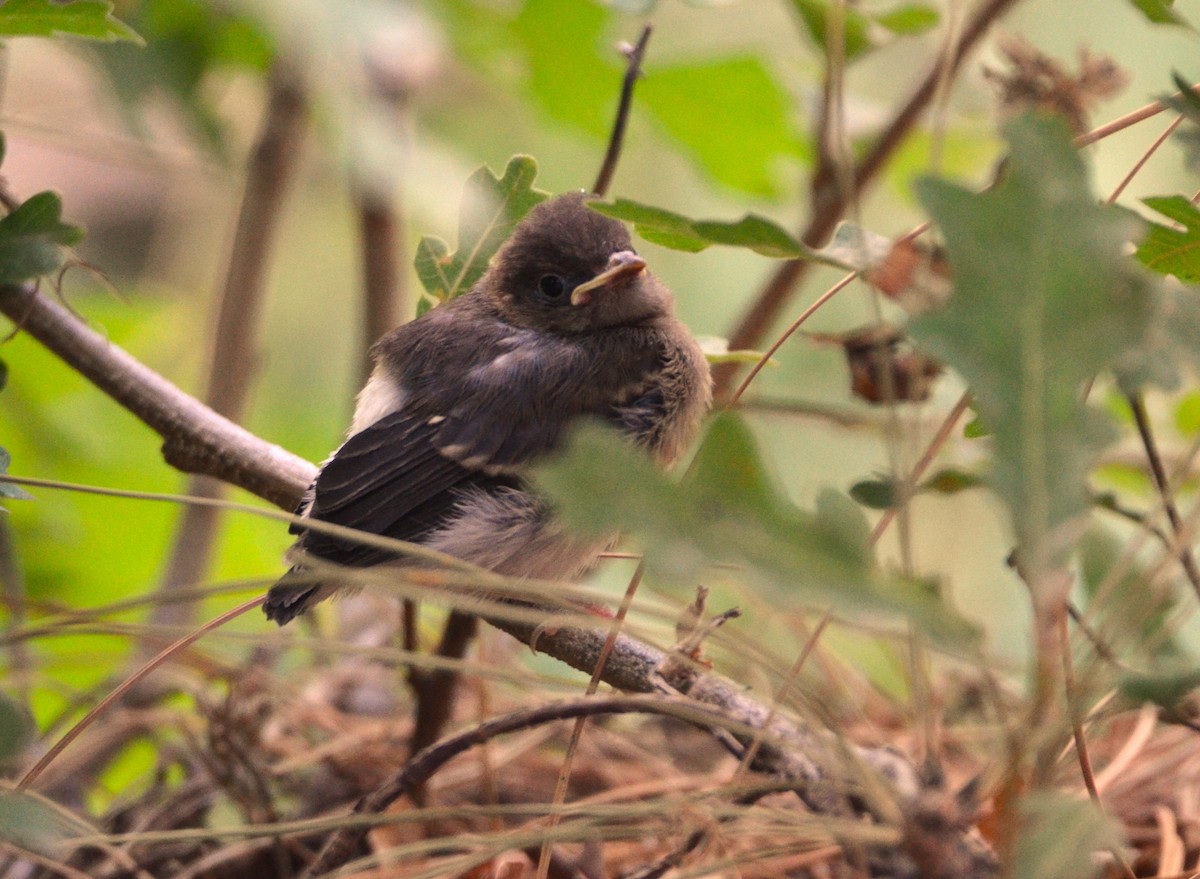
830	200
198	440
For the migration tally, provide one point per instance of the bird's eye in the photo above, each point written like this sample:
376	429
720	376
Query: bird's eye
552	286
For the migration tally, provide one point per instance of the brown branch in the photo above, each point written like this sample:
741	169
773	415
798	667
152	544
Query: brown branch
634	69
196	439
380	232
233	353
421	768
830	200
435	688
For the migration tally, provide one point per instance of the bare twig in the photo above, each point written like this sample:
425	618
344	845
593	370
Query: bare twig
38	768
234	355
422	766
196	439
613	155
434	688
381	236
831	201
1141	418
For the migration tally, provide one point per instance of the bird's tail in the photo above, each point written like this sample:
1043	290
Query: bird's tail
292	594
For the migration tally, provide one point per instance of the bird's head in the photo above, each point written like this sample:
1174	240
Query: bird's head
568	269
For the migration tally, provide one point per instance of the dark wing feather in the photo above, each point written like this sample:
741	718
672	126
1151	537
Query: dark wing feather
389	480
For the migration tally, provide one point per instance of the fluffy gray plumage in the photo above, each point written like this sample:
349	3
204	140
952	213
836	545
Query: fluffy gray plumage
566	323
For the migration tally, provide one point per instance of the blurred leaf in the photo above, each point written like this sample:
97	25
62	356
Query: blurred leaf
815	16
679	233
3	147
730	511
1159	11
730	115
874	494
491	207
951	481
16	728
1187	414
32	822
1136	609
8	489
1043	301
1187	102
716	350
1165	689
855	248
1168	250
1059	836
910	20
92	19
880	494
976	429
3	374
32	238
567	74
186	40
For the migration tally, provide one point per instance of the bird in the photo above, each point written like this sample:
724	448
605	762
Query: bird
566	323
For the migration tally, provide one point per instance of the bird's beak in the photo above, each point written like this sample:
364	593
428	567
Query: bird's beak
623	264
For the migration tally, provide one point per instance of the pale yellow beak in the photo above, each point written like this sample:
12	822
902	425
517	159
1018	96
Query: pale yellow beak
624	264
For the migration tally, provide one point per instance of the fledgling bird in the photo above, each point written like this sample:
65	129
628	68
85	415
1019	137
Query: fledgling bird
566	323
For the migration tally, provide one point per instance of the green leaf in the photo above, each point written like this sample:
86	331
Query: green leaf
909	20
1165	689
730	115
3	375
1059	836
951	481
34	823
815	16
491	207
1159	12
680	233
186	41
16	728
730	511
716	350
92	19
1187	414
1168	250
32	238
1043	300
875	494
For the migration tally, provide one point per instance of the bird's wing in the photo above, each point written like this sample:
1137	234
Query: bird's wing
388	479
514	407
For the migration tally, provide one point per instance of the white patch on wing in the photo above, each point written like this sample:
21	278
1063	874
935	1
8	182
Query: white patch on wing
380	396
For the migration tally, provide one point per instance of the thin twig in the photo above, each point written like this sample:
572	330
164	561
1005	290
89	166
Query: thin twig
187	640
1137	405
195	439
381	243
564	772
234	354
422	767
829	209
633	70
435	688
